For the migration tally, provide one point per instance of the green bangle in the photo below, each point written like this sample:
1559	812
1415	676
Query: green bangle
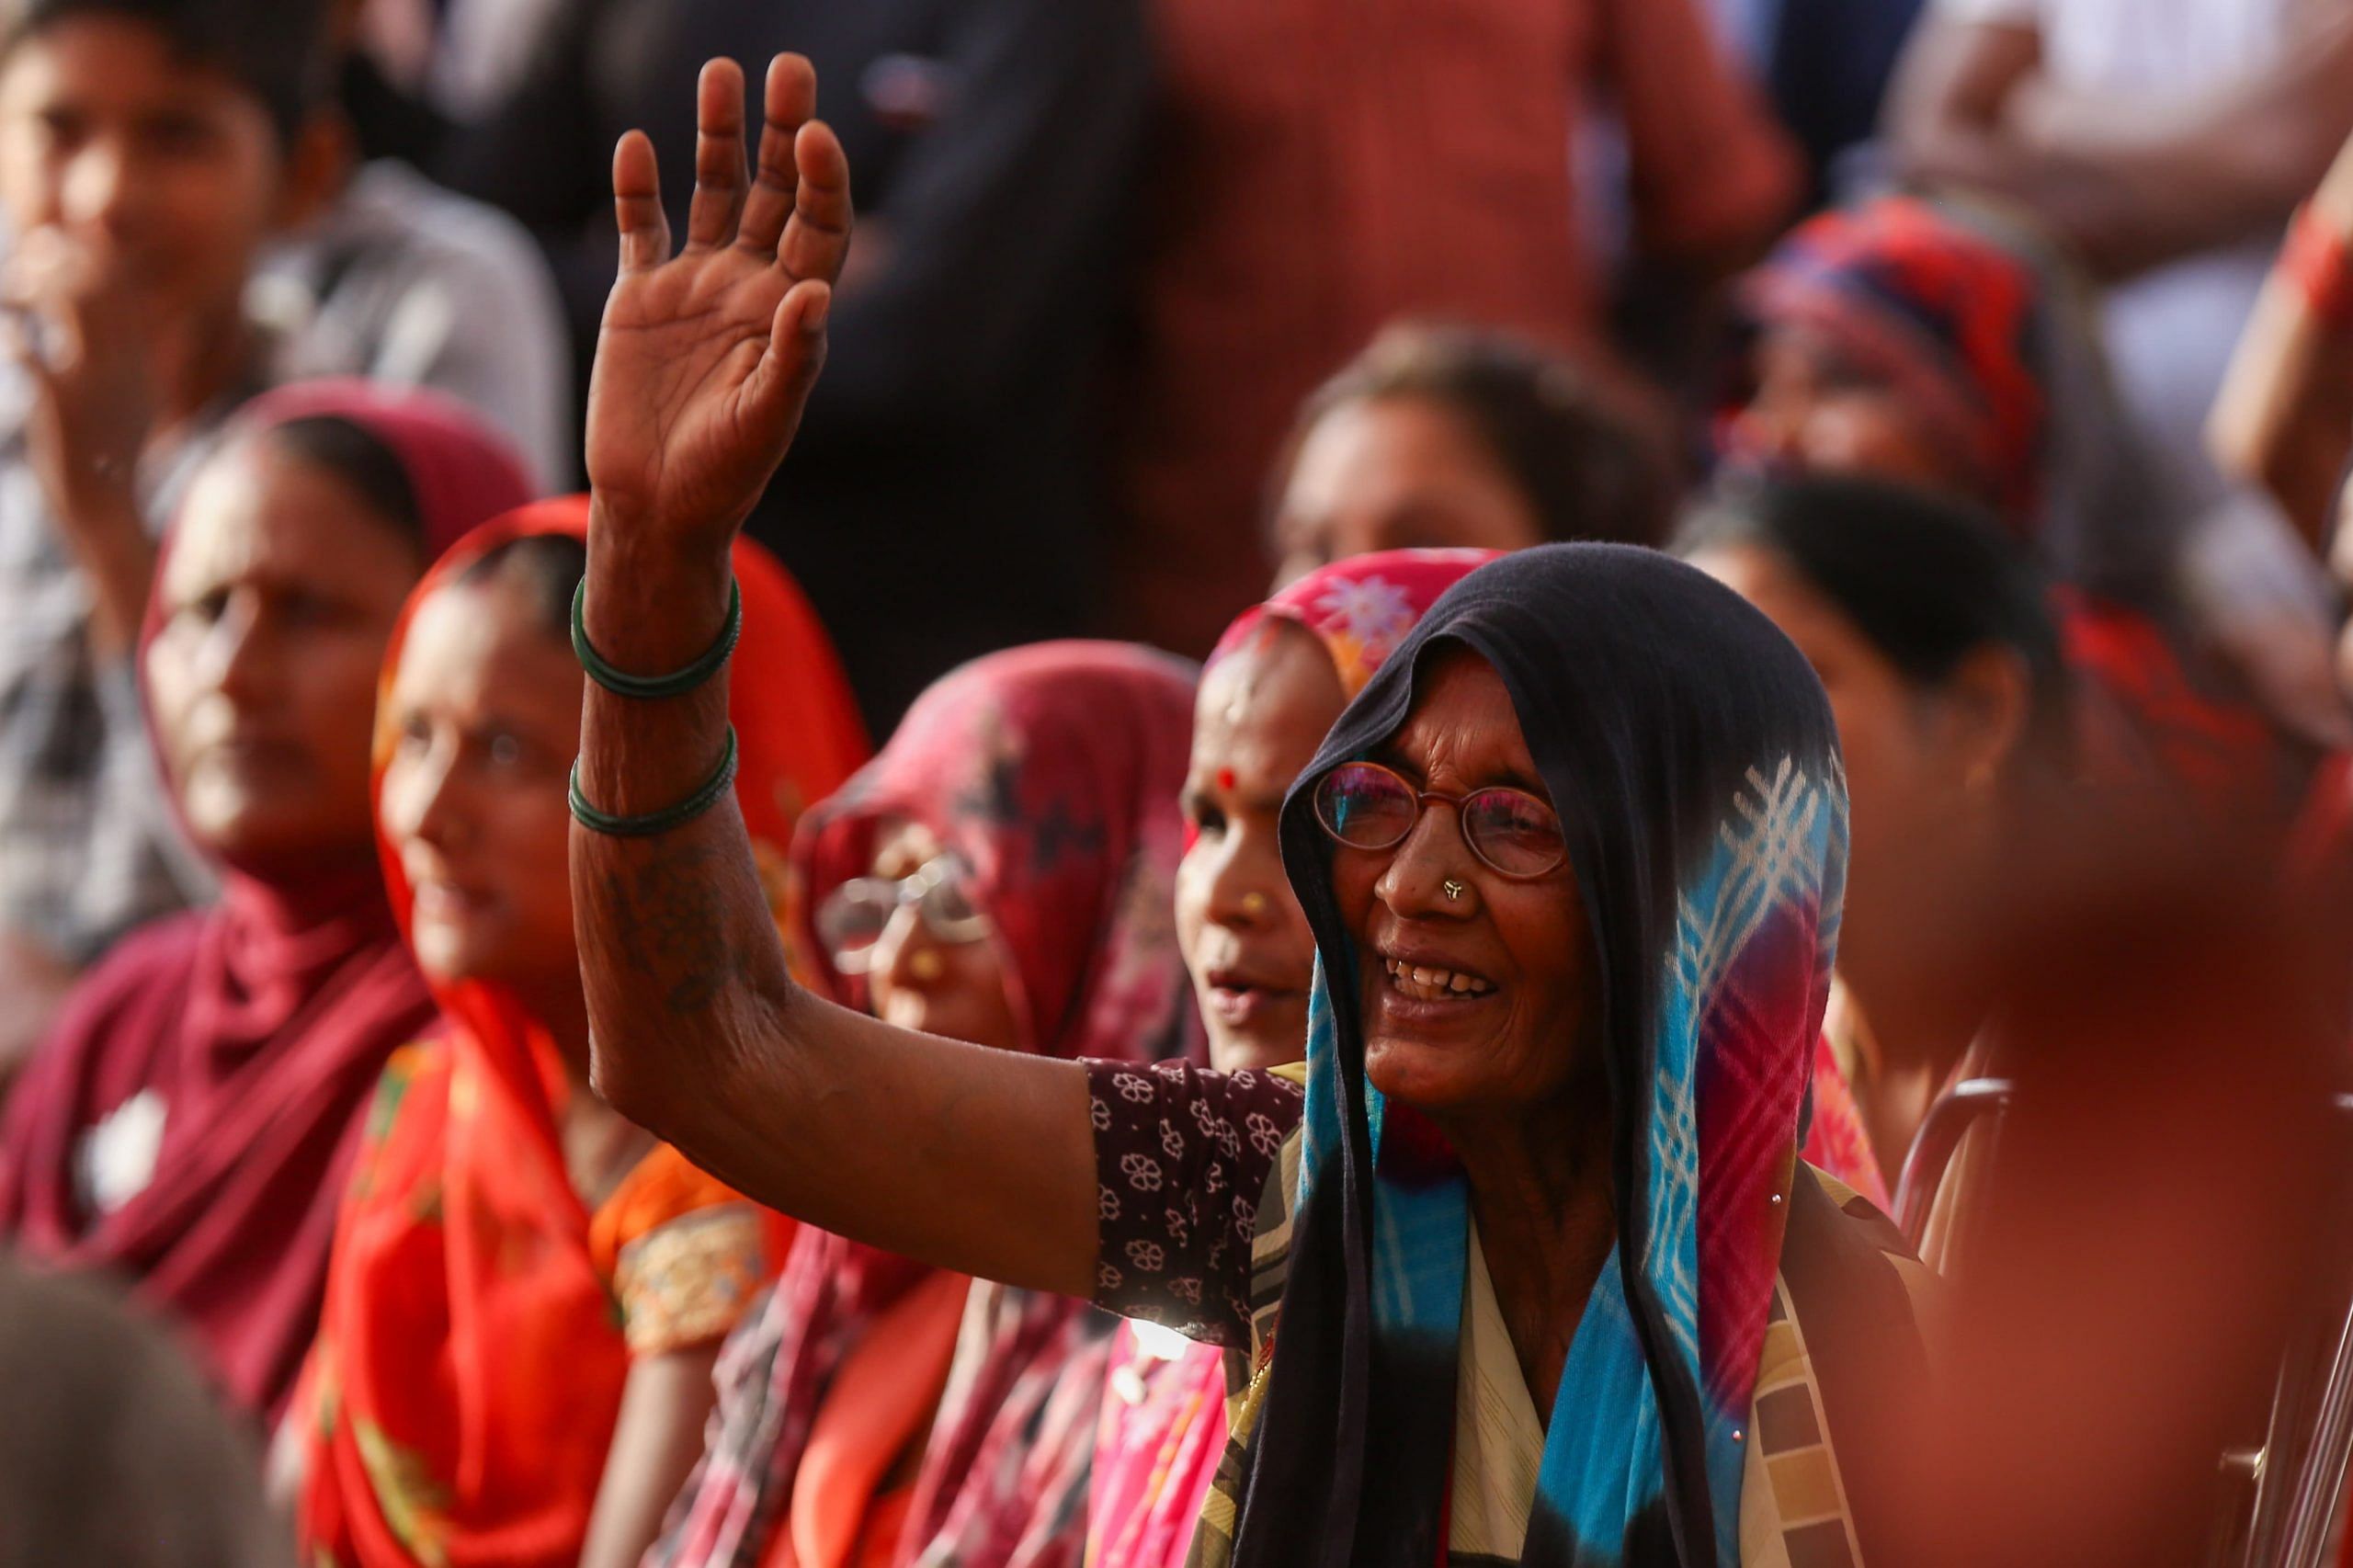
712	791
650	687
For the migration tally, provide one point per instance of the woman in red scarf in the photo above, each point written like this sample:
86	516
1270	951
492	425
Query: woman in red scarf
188	1123
1002	874
527	1292
1895	341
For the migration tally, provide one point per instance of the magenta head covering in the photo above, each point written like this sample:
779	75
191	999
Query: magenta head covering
461	471
1360	609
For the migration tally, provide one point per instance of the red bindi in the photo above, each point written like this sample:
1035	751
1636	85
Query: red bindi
1225	778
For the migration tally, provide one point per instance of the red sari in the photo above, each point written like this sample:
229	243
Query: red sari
220	1059
469	1370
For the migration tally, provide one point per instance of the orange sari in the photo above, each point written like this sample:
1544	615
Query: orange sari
480	1320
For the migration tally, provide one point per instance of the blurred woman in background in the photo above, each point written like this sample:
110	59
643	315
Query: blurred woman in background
1929	632
1440	437
190	1122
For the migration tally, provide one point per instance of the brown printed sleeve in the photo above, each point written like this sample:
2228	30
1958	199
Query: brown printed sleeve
1181	1156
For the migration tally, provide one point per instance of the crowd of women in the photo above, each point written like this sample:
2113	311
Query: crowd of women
1429	1084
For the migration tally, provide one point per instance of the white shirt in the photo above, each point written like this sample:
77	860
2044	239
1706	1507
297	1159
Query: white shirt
2170	332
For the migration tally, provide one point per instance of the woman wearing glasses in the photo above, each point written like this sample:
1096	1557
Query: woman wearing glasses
1529	1272
1001	875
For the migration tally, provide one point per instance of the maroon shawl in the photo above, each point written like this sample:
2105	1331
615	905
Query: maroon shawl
256	1029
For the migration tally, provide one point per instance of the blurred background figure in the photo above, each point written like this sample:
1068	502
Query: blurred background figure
1906	341
947	495
1440	437
189	1122
1427	165
187	224
147	154
2163	144
1000	874
2165	1214
1826	66
114	1451
408	284
1928	630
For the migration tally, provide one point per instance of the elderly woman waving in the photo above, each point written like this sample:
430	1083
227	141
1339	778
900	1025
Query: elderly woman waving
1529	1270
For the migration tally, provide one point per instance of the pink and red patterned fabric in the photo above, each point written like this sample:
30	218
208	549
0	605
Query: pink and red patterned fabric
1051	772
1360	609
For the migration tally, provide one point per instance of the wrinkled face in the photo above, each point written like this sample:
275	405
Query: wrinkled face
1813	412
277	602
1474	1005
918	981
1395	473
162	178
1905	789
1261	713
484	710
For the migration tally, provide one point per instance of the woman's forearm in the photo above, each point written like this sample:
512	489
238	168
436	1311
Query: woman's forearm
977	1160
676	944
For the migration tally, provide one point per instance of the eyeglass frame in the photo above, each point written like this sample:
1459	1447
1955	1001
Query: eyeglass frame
1422	798
942	870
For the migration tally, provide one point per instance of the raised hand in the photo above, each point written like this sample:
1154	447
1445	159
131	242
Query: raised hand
705	359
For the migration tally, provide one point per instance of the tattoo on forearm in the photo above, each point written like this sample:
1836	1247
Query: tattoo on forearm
669	922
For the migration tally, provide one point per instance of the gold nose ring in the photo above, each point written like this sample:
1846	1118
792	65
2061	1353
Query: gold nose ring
1453	890
1253	904
927	965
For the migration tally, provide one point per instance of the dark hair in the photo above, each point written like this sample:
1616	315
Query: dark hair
1589	468
355	455
547	567
1928	579
278	50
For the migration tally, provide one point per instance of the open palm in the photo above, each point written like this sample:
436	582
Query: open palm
706	359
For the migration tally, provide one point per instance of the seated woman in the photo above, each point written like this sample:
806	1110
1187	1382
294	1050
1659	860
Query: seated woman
1570	860
1453	438
1931	637
1895	341
527	1293
1001	875
189	1122
1274	685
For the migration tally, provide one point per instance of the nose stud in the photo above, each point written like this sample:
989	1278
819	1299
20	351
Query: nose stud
1452	888
1253	904
926	965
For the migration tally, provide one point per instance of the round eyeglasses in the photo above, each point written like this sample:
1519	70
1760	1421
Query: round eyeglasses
1367	806
851	920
